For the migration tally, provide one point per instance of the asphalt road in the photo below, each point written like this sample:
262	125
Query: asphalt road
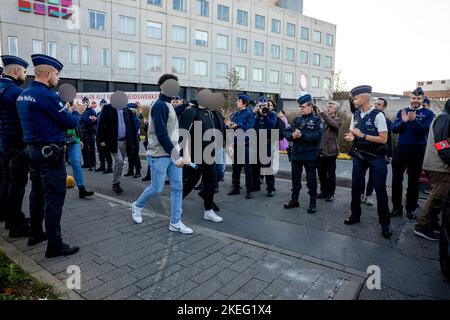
409	265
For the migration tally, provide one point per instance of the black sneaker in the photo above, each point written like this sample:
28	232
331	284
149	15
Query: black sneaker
330	199
137	175
34	240
321	196
65	250
396	213
271	194
411	215
108	171
101	169
234	192
146	178
426	234
291	205
117	189
386	232
248	196
83	193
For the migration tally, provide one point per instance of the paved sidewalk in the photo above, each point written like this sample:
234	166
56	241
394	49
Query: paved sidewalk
121	260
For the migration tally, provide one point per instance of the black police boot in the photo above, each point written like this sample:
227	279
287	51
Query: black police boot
83	193
312	206
19	230
293	203
271	193
411	215
101	169
36	239
352	220
117	189
147	177
396	213
107	171
321	196
248	195
65	250
137	174
234	192
386	232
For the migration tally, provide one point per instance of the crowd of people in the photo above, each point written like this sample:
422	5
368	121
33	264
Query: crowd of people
40	133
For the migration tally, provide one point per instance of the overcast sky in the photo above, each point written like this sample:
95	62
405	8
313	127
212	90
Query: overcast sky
389	44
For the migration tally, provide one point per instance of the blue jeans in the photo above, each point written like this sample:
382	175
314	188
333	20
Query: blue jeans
220	165
159	167
74	152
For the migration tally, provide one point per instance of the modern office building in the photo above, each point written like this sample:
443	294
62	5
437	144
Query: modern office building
438	90
109	45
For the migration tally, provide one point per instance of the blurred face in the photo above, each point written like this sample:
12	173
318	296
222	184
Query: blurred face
379	104
416	101
305	109
94	105
331	109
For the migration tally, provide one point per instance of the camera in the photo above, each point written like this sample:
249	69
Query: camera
264	108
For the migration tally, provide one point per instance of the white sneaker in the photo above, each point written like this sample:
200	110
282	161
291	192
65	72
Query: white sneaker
136	213
369	201
363	198
180	227
212	216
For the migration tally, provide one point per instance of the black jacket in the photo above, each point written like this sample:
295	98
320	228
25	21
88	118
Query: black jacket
306	148
108	127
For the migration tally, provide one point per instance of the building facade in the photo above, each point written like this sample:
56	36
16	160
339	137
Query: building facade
109	45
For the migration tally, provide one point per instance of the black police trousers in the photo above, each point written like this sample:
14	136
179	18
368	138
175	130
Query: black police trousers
311	178
256	174
48	192
104	156
191	177
241	159
134	162
88	150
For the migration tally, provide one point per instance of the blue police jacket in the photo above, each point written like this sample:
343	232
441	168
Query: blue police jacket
10	127
245	120
306	148
415	132
87	125
43	115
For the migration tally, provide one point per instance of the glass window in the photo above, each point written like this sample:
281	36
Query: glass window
127	25
154	30
202	8
105	57
276	26
201	38
327	83
221	70
51	49
242	17
97	20
315	82
290	54
258	74
328	62
289	78
304	57
241	45
259	48
316	59
317	36
154	63
127	60
222	42
37	47
329	40
178	65
179	34
275	51
260	22
304	33
180	5
13	48
86	55
274	76
223	12
155	2
242	72
73	54
290	29
201	68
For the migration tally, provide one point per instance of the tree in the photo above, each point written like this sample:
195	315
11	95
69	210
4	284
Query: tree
231	91
339	88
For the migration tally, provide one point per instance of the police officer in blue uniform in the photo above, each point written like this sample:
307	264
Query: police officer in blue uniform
44	121
88	123
244	120
305	132
369	134
14	160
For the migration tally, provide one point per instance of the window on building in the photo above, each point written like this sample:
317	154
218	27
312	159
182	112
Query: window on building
37	47
222	42
51	49
154	63
304	57
86	57
223	12
242	17
127	25
97	20
242	72
328	62
221	70
304	33
105	57
327	83
260	22
329	39
274	76
315	82
201	68
258	74
289	79
202	7
316	59
179	34
429	82
420	84
241	45
276	26
180	5
178	65
275	51
155	2
154	30
13	48
201	38
290	29
73	54
290	54
317	36
259	48
127	60
443	82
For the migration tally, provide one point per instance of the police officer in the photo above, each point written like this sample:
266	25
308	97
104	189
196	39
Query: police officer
369	134
245	120
45	121
14	160
305	132
88	123
103	154
412	125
